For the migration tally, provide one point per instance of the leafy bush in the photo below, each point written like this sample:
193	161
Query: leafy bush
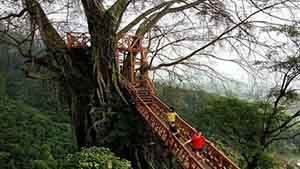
95	158
267	160
290	166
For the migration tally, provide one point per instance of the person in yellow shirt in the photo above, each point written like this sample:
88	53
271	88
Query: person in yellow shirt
171	115
171	118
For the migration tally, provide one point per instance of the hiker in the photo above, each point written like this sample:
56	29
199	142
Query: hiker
171	118
198	143
171	115
174	130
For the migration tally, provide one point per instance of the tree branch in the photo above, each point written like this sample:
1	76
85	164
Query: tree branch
93	7
18	15
94	11
215	40
285	124
283	138
148	24
118	8
143	16
48	33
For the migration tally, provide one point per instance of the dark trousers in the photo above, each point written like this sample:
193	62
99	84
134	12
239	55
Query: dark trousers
200	150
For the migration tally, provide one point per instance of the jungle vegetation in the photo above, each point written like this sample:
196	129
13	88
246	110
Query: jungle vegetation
183	37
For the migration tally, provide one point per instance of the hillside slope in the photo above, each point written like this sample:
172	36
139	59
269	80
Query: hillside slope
31	138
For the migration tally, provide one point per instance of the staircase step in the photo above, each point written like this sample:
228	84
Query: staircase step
146	97
142	91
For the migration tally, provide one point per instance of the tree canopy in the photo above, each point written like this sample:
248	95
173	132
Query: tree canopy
184	39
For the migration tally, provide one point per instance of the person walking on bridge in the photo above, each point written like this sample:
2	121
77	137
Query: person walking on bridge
171	115
198	143
171	119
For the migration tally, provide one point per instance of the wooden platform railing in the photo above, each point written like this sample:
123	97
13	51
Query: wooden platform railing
182	154
78	40
154	110
155	115
214	157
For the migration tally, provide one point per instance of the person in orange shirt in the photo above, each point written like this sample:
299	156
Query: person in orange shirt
198	143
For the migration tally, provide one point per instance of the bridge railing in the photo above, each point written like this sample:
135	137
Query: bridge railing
183	155
215	158
155	116
129	43
78	40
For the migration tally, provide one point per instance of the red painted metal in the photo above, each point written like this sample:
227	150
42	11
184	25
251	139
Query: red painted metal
183	155
78	40
130	43
134	55
129	53
154	113
152	109
213	157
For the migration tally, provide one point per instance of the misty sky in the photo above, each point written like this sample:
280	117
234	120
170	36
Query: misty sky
59	14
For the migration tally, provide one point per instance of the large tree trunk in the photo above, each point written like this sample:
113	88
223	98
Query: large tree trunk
76	88
109	121
101	110
117	126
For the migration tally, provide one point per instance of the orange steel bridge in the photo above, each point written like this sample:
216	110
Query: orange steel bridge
132	58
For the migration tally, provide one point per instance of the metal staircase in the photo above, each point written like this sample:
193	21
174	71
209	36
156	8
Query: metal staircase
151	108
154	112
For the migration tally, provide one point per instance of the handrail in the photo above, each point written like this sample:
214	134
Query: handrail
215	156
182	153
78	40
154	112
184	156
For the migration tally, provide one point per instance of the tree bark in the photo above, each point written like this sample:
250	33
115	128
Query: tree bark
100	110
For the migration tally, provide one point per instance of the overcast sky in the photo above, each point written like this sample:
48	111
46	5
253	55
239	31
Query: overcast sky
76	22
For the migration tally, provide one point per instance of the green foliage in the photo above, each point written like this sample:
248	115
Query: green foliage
267	160
40	140
187	102
13	82
292	31
234	125
33	92
290	166
95	158
46	160
30	138
33	134
2	84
